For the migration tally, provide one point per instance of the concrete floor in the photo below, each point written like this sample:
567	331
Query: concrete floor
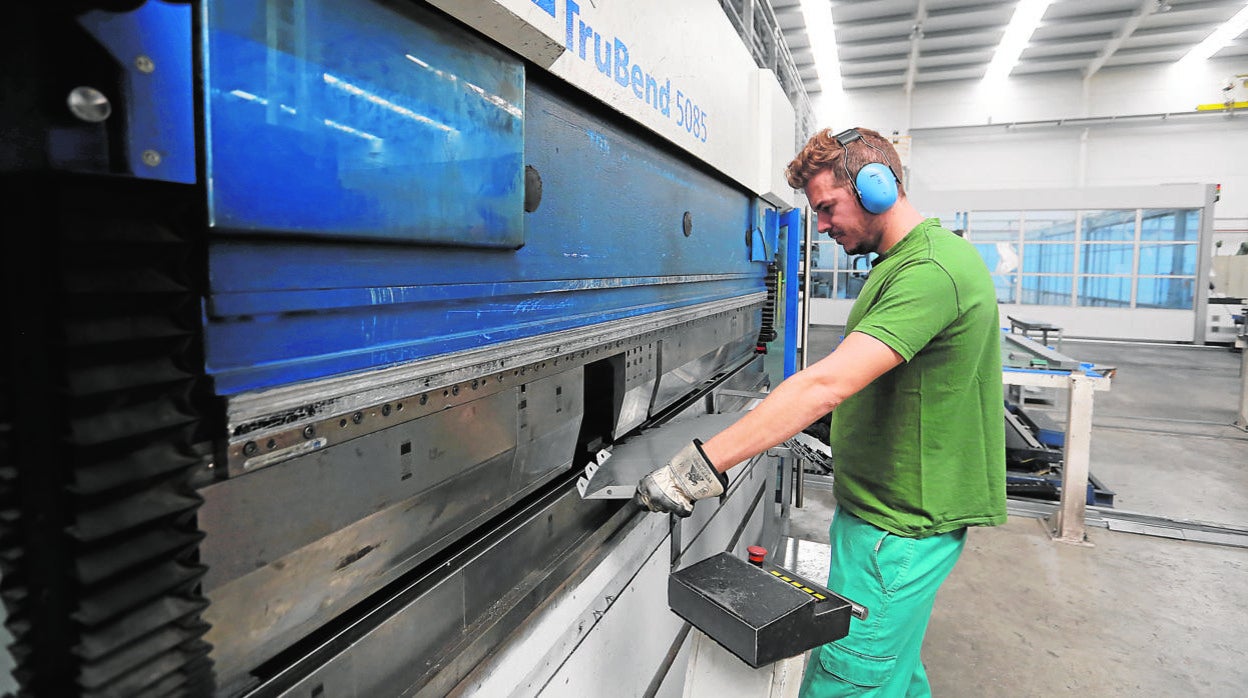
1131	615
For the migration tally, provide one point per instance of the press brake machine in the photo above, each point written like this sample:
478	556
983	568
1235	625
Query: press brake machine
315	310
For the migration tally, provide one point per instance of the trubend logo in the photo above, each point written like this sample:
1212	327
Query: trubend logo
611	58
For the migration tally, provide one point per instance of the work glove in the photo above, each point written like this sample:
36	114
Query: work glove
685	479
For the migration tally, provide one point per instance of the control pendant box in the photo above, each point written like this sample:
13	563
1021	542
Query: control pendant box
760	614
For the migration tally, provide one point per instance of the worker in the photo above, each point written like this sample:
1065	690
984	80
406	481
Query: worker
917	405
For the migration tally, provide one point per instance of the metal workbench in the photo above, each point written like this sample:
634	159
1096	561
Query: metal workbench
1030	364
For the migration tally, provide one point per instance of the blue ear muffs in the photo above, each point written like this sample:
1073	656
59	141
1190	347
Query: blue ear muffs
875	184
877	187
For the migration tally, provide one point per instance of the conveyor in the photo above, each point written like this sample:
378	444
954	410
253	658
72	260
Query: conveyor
323	308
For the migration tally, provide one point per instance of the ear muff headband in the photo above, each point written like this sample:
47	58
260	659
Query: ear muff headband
875	184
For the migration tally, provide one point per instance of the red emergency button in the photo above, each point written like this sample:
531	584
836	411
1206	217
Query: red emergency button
757	553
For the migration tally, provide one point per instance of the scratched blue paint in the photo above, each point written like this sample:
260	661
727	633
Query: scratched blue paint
268	302
361	120
386	335
159	106
605	244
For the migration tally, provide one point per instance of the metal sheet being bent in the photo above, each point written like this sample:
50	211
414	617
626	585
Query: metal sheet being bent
616	472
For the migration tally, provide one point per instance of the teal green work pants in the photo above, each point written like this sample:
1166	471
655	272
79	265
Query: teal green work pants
896	578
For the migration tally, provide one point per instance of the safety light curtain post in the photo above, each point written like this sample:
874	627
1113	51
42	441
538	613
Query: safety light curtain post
792	221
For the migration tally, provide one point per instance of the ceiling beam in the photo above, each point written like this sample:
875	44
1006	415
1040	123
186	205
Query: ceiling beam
961	32
1145	8
1197	30
862	24
972	10
1097	38
916	36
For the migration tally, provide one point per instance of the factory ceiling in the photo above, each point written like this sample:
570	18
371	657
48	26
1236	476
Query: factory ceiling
903	43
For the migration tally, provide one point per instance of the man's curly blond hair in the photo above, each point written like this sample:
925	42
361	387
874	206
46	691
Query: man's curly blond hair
823	151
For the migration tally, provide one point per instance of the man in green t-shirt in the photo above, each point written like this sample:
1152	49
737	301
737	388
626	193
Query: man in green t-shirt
917	409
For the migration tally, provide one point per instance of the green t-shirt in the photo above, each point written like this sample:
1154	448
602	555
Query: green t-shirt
921	450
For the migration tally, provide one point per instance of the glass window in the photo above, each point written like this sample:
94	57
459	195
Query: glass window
844	261
821	284
990	254
1005	287
1165	293
1109	259
948	219
1049	258
1105	291
1049	225
999	257
849	284
823	255
983	226
1104	226
835	284
1046	290
860	263
1182	225
1163	259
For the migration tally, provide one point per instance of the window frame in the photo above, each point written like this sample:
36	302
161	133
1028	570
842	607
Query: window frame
997	221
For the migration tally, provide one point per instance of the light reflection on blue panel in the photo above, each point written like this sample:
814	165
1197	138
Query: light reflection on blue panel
352	120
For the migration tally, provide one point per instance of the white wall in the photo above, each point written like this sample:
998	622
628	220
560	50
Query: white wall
1061	131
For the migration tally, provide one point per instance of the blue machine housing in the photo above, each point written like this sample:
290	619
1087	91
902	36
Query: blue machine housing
361	124
215	487
349	252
